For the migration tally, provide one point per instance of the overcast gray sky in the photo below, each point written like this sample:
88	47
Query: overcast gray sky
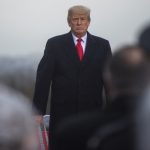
25	25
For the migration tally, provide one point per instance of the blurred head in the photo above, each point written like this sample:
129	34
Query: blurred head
127	72
17	127
79	20
144	40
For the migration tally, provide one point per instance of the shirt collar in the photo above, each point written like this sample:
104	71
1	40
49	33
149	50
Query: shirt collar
84	38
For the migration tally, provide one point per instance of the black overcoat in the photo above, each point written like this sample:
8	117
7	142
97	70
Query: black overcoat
75	86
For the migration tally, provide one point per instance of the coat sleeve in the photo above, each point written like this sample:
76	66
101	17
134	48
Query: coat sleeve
43	79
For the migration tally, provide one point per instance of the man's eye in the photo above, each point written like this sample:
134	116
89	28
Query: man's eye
83	19
75	18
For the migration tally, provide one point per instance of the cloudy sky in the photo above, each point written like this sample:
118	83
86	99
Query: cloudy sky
25	25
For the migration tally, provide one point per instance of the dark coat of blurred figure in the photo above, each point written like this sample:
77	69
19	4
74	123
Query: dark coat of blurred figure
127	77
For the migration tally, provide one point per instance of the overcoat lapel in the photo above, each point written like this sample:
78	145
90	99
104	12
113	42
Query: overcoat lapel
89	51
70	49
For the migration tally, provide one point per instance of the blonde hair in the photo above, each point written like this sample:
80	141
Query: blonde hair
79	8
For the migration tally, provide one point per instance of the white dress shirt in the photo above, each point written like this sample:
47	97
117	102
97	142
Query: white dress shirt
83	43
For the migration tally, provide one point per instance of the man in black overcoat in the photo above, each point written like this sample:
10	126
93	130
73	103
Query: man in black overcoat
76	83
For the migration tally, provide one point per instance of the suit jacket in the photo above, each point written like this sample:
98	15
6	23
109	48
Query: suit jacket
75	86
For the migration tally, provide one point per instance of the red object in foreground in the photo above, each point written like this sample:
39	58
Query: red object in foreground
42	137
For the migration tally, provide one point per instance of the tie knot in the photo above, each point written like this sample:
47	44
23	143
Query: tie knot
79	40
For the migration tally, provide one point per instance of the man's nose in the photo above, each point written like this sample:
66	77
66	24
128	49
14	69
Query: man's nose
79	21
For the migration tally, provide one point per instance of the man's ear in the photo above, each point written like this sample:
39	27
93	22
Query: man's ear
68	22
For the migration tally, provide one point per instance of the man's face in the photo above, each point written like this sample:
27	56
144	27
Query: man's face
79	24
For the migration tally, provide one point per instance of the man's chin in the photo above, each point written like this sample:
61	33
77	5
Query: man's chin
80	32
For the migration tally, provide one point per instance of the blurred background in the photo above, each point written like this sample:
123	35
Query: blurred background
25	26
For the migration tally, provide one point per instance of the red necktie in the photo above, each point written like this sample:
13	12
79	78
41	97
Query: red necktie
79	49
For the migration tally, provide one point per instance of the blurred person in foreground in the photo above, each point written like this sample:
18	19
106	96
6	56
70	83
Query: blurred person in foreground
126	76
17	126
75	77
143	111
